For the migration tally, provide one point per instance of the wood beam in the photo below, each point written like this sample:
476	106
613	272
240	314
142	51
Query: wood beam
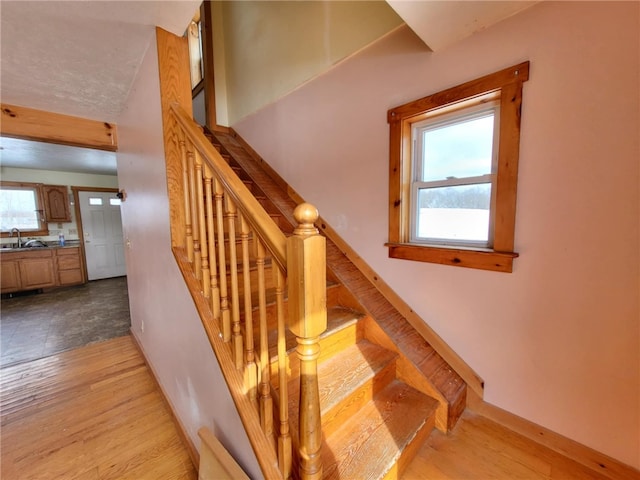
31	124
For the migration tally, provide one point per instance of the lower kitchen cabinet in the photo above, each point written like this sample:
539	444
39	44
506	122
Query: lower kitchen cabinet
37	271
10	275
40	268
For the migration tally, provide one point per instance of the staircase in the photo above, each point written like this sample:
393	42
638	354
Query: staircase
382	387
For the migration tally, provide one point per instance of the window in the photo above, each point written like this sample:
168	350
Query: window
21	208
453	173
194	35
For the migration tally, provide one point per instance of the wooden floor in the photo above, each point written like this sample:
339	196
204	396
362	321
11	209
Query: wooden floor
481	449
96	413
91	413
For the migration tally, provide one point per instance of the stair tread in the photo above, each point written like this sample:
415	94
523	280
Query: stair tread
341	374
368	445
349	369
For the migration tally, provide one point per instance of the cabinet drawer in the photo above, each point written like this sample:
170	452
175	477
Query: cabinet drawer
70	277
67	251
68	262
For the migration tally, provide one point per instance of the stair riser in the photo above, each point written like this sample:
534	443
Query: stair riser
350	406
410	451
329	346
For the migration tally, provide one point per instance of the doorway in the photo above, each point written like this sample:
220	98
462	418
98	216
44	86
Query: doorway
102	234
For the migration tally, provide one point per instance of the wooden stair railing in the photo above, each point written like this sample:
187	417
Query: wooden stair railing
374	366
220	215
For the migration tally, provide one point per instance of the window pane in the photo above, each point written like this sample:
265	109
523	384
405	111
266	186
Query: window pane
95	201
114	201
458	150
458	213
18	210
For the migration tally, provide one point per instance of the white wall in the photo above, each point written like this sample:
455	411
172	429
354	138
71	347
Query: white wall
270	48
558	340
163	317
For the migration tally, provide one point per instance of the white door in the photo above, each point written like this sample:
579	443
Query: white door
103	238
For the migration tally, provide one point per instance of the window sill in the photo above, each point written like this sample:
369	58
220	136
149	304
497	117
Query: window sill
459	257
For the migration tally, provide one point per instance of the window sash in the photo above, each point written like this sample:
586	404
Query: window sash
34	188
459	242
439	121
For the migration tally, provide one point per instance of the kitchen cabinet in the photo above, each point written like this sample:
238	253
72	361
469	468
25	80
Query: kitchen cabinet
27	270
10	275
32	269
56	203
37	272
69	265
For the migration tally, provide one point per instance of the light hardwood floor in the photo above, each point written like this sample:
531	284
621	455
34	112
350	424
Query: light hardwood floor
480	449
91	413
96	413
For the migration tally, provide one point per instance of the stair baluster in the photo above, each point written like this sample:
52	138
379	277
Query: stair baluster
193	207
250	367
187	202
231	214
204	250
284	437
215	290
266	401
222	264
306	266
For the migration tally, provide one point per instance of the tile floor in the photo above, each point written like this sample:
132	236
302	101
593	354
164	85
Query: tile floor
40	325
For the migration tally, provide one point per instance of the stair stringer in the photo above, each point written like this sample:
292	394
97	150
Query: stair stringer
431	375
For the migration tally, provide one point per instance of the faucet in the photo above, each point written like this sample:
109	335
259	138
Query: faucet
19	237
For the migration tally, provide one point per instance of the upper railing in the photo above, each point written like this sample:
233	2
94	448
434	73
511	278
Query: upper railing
228	243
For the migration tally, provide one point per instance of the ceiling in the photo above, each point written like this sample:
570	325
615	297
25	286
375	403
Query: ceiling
77	58
81	57
48	156
442	23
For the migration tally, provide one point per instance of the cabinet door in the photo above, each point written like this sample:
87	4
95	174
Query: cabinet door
37	273
10	276
56	203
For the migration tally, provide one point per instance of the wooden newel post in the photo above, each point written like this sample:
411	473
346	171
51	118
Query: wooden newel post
306	268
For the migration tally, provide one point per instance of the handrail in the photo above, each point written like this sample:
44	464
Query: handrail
225	243
274	239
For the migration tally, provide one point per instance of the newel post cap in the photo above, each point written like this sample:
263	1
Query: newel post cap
306	215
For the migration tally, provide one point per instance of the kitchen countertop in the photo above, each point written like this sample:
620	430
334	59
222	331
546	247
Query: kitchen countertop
69	244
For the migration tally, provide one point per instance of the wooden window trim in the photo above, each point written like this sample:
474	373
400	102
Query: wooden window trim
508	84
197	89
43	228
